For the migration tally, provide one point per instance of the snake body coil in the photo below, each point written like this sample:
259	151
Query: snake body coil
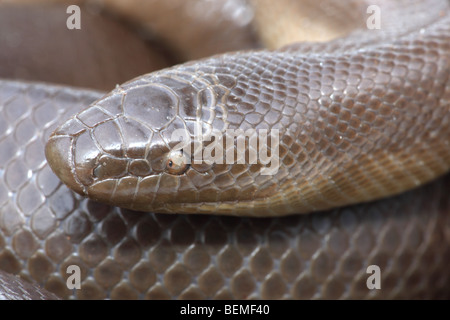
358	118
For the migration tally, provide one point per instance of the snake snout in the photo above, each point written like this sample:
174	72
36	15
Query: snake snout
119	145
80	149
58	152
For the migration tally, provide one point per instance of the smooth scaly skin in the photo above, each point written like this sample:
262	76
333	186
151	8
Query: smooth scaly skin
320	255
14	288
45	227
356	123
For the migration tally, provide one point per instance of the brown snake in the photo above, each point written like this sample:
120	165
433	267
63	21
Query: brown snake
356	122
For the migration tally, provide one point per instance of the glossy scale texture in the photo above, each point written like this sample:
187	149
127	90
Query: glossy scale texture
45	227
356	121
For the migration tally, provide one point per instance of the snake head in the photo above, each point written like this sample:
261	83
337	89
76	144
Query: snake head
107	150
130	148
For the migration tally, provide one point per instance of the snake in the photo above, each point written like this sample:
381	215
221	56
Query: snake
364	147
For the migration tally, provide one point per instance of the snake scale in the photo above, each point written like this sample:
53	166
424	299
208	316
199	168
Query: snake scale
374	114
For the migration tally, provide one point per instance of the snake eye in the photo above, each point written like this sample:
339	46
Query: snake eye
177	162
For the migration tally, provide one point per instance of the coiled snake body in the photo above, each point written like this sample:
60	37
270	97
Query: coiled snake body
356	123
